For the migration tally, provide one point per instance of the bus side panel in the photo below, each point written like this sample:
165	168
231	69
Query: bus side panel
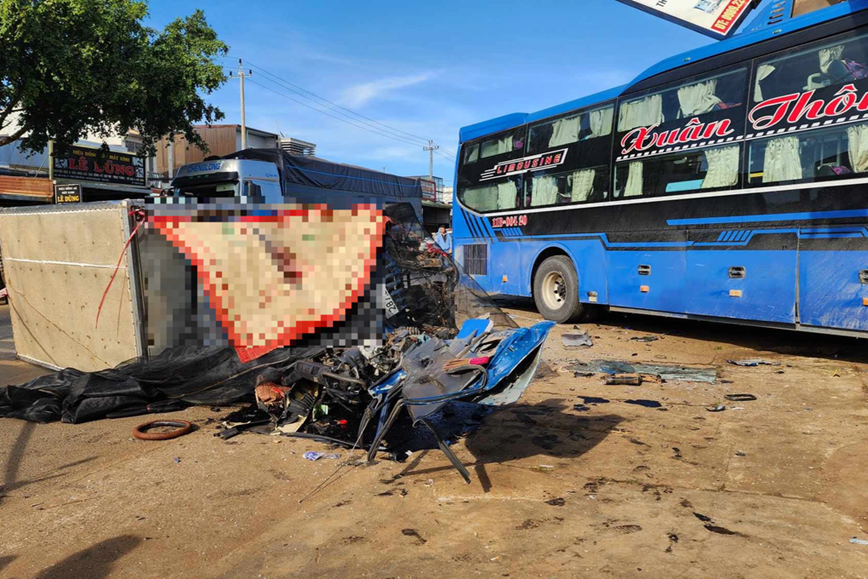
649	279
592	265
766	292
830	292
589	259
504	263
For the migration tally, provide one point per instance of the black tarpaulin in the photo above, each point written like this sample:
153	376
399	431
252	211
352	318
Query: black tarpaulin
193	375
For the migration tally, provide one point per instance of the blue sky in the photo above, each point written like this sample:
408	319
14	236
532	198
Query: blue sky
424	68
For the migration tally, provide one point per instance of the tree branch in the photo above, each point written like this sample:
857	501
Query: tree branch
13	137
11	108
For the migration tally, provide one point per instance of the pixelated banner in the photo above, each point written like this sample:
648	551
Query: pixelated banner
716	18
275	276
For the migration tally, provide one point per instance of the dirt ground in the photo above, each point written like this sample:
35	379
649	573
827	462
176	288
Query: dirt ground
562	486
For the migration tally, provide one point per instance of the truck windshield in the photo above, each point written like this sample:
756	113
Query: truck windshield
226	189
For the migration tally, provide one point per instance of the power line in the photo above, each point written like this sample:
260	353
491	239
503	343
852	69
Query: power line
299	90
386	131
333	116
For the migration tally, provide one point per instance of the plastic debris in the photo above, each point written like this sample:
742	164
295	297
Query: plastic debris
645	339
857	541
716	408
582	340
740	397
664	372
752	363
313	455
624	380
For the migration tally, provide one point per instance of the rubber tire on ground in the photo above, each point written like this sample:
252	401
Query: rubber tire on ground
182	427
571	309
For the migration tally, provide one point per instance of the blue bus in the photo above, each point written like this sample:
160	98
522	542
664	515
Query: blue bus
729	183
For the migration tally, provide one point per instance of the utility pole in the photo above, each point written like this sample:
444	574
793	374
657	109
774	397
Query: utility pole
241	76
51	160
431	148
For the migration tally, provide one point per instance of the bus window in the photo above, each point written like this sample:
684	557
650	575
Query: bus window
715	168
691	99
471	154
571	129
502	144
501	196
584	185
817	155
825	64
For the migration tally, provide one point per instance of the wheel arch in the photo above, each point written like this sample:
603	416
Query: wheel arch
544	254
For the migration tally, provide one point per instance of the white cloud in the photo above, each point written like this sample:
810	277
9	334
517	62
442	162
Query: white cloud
361	94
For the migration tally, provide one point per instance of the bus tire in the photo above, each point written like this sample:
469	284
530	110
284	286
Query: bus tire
556	290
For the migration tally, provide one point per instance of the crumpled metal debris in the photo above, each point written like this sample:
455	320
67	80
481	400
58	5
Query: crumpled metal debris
582	340
366	389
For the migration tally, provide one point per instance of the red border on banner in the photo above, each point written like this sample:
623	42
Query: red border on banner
166	224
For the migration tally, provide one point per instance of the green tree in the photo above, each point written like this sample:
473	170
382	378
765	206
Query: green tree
73	67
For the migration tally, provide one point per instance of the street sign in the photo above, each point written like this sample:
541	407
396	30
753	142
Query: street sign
67	193
715	18
94	164
429	189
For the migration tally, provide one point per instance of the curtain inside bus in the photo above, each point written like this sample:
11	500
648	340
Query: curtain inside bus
633	188
782	161
828	56
641	113
762	72
583	184
857	147
545	191
722	167
565	131
499	196
600	122
494	147
696	99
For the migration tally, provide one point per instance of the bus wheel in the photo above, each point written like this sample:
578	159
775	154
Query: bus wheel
556	290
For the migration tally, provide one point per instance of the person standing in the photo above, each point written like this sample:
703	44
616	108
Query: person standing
444	239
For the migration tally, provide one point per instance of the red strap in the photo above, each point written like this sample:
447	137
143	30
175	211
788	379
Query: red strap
141	217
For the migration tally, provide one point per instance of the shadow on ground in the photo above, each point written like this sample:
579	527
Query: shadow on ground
5	560
780	341
544	430
16	456
95	562
518	432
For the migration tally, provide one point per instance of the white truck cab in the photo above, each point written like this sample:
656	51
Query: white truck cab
244	180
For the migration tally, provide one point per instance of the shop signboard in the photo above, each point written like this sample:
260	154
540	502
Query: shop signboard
96	165
67	193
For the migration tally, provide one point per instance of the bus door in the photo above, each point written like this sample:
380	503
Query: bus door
739	272
833	277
